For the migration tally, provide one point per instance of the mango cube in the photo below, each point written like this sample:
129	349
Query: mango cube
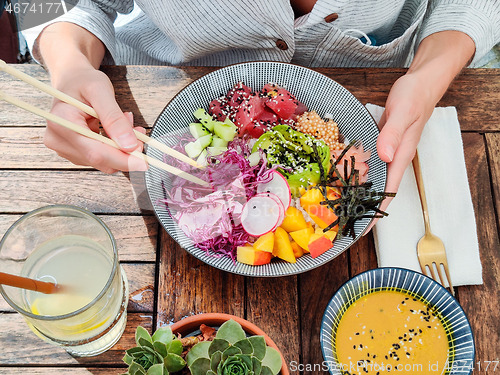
294	220
318	244
297	250
282	247
302	237
248	255
331	234
265	243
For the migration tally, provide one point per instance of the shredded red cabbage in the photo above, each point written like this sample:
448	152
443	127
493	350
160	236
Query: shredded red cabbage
232	182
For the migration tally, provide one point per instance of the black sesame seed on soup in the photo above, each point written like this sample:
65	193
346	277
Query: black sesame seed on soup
391	332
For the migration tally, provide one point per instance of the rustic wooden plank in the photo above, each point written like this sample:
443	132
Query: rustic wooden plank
187	286
481	303
61	370
135	236
141	279
21	347
146	90
23	148
362	255
493	148
272	304
23	191
316	288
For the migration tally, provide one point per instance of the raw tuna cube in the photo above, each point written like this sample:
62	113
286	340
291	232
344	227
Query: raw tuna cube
268	87
282	103
254	129
238	94
301	108
218	108
267	118
248	111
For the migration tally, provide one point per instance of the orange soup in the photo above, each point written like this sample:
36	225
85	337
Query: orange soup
391	332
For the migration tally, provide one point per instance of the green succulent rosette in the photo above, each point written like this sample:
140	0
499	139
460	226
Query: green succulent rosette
233	353
156	355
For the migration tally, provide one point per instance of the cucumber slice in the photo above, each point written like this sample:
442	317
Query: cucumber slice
227	120
205	141
254	158
218	142
214	151
225	131
194	149
202	159
203	117
198	130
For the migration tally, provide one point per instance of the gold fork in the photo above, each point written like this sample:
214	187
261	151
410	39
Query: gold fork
430	248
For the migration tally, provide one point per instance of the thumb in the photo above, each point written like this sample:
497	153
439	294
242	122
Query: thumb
116	124
394	125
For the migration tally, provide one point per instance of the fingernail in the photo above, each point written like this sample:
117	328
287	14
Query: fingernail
130	117
127	140
389	151
143	167
138	165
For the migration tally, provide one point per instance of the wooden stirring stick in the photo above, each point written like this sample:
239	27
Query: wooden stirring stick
90	111
30	284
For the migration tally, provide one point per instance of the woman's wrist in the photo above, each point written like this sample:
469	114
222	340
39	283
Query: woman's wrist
65	47
439	59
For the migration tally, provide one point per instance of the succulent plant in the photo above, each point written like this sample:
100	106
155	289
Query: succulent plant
233	353
156	355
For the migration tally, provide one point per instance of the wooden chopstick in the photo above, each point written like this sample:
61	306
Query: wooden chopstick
90	111
90	134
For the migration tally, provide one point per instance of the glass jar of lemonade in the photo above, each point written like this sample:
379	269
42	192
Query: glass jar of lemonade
74	249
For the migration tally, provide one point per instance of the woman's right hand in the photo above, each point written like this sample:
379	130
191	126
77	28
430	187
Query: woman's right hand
94	88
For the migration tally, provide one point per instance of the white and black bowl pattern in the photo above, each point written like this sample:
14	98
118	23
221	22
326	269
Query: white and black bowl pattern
317	92
461	351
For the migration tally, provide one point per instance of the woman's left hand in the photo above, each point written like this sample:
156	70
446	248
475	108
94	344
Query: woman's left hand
408	107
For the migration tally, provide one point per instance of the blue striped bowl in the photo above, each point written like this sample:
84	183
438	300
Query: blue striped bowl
461	351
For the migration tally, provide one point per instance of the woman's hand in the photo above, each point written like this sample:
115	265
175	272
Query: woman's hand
439	58
93	87
408	107
73	55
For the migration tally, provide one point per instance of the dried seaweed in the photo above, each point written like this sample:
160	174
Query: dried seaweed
357	201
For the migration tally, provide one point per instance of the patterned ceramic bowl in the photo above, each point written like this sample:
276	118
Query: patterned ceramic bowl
461	342
317	92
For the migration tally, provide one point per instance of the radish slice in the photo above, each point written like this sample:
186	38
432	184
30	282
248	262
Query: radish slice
260	215
280	204
278	185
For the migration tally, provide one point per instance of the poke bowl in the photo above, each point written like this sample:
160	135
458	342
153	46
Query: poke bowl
394	319
266	115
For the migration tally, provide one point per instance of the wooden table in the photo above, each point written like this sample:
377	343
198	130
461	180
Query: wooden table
167	283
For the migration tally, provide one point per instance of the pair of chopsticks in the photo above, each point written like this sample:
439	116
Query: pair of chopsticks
89	133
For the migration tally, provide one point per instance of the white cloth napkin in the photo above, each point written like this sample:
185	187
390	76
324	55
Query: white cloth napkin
448	198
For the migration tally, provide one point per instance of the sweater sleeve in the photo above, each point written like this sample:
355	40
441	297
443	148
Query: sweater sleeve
95	16
479	19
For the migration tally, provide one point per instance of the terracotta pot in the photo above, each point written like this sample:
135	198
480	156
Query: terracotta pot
192	323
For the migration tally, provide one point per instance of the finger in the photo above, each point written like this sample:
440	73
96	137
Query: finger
94	125
130	118
394	124
140	129
115	123
396	169
85	151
